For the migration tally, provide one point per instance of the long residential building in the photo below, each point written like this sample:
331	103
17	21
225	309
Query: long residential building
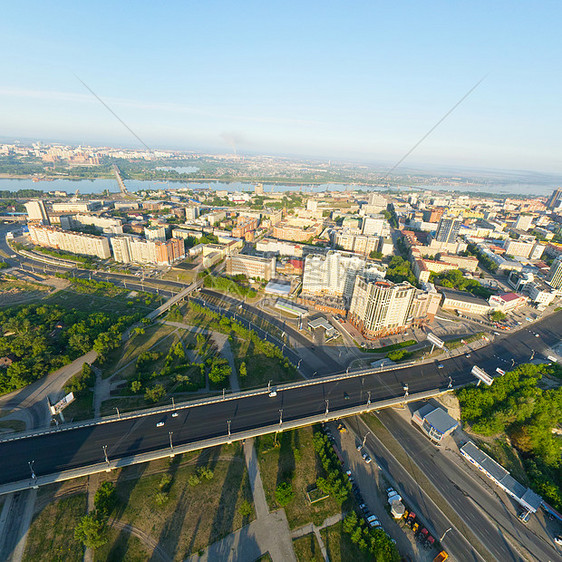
76	206
105	224
74	242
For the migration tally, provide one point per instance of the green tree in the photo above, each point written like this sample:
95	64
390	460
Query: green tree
136	386
497	316
243	371
105	498
91	531
155	393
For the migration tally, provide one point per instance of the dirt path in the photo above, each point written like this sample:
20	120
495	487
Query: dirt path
150	543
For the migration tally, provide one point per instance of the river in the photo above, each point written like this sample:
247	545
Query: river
100	185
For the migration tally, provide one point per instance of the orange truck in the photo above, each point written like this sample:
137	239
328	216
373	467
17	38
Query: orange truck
441	557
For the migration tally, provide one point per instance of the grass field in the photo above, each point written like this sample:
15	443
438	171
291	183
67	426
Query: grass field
339	546
259	367
120	304
157	334
500	450
51	534
193	516
295	460
181	275
307	549
82	408
14	425
121	546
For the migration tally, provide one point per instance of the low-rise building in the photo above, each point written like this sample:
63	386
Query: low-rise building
462	301
435	422
498	474
253	267
507	302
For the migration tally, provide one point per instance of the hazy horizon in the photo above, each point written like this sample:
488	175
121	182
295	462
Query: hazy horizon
360	82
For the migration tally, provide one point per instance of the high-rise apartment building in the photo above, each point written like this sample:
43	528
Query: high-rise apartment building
334	274
379	307
36	212
133	249
155	233
555	200
448	229
555	274
523	222
375	226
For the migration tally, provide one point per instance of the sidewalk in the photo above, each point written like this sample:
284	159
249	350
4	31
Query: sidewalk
269	533
312	528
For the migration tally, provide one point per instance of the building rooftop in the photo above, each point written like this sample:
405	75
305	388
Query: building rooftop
461	296
440	420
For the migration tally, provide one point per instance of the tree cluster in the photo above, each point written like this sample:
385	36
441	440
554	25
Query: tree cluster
91	531
228	285
517	406
336	484
41	338
373	541
454	279
399	270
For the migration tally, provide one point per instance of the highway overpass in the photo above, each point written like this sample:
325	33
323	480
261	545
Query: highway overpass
208	422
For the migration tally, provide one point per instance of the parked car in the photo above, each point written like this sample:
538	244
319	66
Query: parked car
366	458
429	542
160	424
558	540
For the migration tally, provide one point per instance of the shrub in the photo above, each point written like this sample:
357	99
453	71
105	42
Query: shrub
284	493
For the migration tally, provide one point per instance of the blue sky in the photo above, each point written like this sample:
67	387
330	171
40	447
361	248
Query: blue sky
348	80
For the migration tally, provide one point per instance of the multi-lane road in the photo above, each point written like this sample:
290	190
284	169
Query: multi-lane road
481	512
83	446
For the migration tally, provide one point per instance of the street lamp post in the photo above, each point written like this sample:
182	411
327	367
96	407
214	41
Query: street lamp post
443	536
281	417
30	464
104	447
327	406
118	413
228	423
369	398
365	439
299	364
170	433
